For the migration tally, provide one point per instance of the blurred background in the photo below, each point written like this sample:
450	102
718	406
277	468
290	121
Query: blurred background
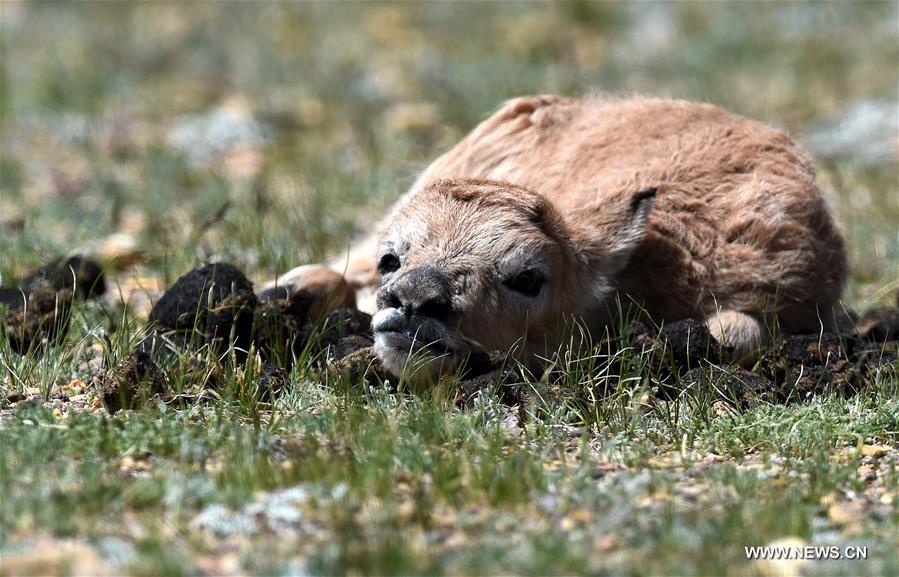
269	134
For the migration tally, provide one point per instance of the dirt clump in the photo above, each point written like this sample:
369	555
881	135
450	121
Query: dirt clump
12	297
872	362
734	384
802	382
42	320
348	345
279	327
231	321
212	304
286	322
202	373
359	366
341	333
879	325
481	372
490	372
676	348
505	382
784	359
131	382
38	311
690	342
792	367
81	275
272	381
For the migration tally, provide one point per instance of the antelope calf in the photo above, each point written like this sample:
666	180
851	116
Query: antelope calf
555	210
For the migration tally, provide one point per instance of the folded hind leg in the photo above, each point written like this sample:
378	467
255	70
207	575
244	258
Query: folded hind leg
320	288
740	331
350	280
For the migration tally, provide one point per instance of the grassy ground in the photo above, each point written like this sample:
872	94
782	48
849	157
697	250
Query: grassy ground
268	134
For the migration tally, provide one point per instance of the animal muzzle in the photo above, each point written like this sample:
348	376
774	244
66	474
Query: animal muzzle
424	292
414	316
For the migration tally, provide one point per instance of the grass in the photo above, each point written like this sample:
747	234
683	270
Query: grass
320	115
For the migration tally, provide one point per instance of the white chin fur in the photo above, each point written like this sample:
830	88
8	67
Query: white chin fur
395	361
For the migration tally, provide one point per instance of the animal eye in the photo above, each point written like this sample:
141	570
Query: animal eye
527	283
388	263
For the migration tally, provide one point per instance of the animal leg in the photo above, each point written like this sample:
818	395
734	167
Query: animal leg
348	281
359	266
738	330
320	286
362	274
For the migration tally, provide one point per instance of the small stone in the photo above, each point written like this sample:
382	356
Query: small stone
876	451
867	473
845	513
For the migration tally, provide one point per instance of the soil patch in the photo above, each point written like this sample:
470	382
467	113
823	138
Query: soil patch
131	382
81	275
42	320
212	304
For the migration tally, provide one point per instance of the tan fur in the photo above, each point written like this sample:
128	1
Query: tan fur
738	233
325	288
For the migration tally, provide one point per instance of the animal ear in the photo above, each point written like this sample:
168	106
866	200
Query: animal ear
625	228
641	205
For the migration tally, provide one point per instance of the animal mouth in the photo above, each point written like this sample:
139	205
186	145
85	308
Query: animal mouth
400	340
411	342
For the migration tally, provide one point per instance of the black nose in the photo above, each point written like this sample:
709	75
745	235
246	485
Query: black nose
424	290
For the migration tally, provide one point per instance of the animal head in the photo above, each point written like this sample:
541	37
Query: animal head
476	265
